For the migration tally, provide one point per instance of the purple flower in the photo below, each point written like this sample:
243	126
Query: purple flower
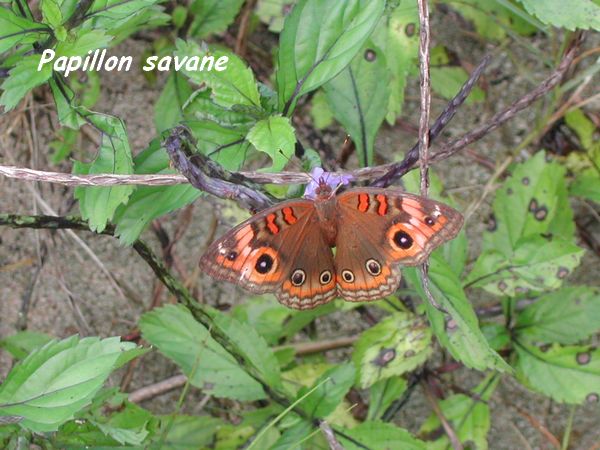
331	179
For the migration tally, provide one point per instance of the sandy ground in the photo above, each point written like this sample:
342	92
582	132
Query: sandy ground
72	295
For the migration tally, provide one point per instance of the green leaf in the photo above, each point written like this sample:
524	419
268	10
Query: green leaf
291	437
320	112
186	432
206	363
149	202
169	106
398	37
587	185
51	13
233	86
447	81
24	342
358	98
212	16
85	41
318	40
382	395
566	374
532	201
583	14
397	344
380	435
225	146
18	30
587	180
470	418
55	381
250	345
459	333
22	78
566	316
98	204
130	425
273	12
274	136
324	400
537	264
265	316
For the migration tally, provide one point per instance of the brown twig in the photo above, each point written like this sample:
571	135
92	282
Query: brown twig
306	348
452	437
330	436
156	389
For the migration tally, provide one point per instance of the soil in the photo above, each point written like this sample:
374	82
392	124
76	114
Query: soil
71	294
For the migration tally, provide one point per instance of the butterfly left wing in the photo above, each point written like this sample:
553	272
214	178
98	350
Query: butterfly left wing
382	229
279	250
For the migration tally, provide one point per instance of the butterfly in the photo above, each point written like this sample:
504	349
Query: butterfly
349	245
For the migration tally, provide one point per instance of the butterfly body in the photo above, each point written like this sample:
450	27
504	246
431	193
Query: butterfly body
288	249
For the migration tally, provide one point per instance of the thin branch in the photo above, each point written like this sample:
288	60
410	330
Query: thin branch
452	437
153	390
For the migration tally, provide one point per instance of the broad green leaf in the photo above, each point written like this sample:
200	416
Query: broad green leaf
291	437
85	41
496	334
81	433
51	13
106	12
273	12
250	345
320	112
98	204
274	136
532	201
148	17
396	345
130	425
587	185
149	202
566	316
318	40
20	344
168	110
187	432
492	19
67	113
447	81
233	86
565	374
380	435
22	78
238	117
264	315
206	363
358	97
382	394
537	264
18	30
459	333
470	418
325	399
583	14
55	381
212	16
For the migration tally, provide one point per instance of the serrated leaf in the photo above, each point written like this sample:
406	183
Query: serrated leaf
275	136
397	344
186	432
583	14
212	16
20	344
537	264
98	204
233	86
250	345
469	417
566	316
146	203
206	363
447	81
382	394
459	333
23	77
55	381
532	201
18	30
318	40
380	435
565	374
358	97
325	399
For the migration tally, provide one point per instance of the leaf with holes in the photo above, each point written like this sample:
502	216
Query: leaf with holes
375	434
318	40
569	374
459	333
537	264
358	98
206	363
55	381
396	345
566	316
